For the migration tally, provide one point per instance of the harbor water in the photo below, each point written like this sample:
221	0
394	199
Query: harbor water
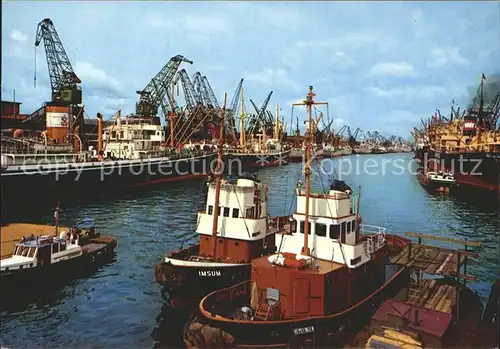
120	305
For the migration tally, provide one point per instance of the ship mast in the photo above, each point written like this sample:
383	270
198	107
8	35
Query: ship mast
171	119
308	102
276	128
242	121
218	175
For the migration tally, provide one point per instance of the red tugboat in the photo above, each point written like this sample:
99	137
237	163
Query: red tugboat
327	275
233	229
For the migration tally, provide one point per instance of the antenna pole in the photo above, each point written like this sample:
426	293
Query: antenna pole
308	102
218	176
56	218
357	209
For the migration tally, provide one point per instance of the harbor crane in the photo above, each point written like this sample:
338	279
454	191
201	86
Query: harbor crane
209	95
203	89
192	99
151	97
232	110
65	85
64	82
259	121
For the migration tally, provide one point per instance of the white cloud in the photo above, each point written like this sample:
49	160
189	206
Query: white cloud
342	60
424	91
446	56
88	73
192	24
352	40
270	76
16	35
393	69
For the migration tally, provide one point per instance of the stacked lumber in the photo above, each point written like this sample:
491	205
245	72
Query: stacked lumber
392	339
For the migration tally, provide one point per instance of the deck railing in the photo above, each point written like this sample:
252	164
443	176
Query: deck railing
366	229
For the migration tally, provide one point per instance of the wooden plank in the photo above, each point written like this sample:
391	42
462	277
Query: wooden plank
436	263
427	293
438	238
398	257
450	266
442	293
430	255
427	256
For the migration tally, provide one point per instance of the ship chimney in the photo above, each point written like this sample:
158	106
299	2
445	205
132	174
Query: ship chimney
99	136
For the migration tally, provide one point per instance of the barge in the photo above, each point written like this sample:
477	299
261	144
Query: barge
36	259
436	309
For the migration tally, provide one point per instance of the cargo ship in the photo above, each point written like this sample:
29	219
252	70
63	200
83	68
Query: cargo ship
255	149
130	153
467	144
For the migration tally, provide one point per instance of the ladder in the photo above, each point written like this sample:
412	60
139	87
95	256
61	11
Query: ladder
415	286
262	311
369	246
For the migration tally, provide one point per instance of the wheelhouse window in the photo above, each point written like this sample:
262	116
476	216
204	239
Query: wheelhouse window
302	227
349	227
219	210
343	227
335	231
226	211
31	253
236	212
250	212
320	229
210	209
55	248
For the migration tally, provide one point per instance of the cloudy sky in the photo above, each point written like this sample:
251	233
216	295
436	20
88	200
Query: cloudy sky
381	66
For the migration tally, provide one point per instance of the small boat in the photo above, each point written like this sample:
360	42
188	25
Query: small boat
296	155
436	309
328	274
436	180
37	257
379	150
362	148
233	229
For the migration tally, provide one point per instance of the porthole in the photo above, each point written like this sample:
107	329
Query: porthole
20	267
236	243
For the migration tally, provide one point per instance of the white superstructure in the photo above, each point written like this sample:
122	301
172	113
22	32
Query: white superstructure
243	211
134	138
333	230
